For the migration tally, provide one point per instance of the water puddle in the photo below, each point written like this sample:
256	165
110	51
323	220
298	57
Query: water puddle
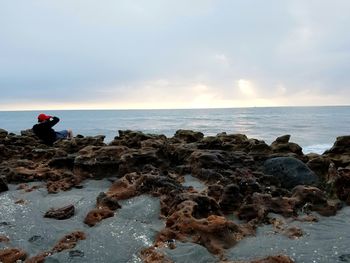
194	182
116	239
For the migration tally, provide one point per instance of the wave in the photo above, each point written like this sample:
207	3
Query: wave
316	148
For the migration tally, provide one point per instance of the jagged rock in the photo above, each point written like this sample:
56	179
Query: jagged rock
231	198
259	205
274	259
204	205
215	191
76	144
311	198
68	182
136	139
11	255
137	160
342	185
69	241
320	165
3	133
290	171
99	161
110	202
63	162
216	233
97	215
61	213
340	152
188	136
282	145
152	255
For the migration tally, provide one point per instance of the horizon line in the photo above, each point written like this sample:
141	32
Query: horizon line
184	108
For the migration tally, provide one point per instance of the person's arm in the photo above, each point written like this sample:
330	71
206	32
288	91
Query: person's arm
54	121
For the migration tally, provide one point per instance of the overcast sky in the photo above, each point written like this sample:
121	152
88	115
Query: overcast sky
68	54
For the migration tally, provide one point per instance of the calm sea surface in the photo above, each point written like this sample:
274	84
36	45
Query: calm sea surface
314	128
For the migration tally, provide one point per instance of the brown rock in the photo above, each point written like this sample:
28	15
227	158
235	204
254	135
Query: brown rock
61	213
188	136
342	185
97	215
282	145
231	198
11	255
293	232
340	152
152	255
4	239
38	258
69	241
259	205
216	233
98	161
319	164
274	259
110	202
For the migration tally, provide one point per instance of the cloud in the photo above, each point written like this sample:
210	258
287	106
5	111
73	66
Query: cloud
174	53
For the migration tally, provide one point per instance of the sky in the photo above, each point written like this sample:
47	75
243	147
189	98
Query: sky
122	54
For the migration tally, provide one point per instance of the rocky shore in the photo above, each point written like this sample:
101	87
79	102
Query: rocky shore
247	183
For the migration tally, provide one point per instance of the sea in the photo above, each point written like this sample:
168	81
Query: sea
315	129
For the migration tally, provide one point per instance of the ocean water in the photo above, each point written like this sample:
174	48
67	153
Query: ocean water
313	128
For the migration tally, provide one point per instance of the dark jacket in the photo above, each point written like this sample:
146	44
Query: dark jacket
45	132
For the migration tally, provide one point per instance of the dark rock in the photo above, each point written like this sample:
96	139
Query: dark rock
63	162
107	201
320	165
342	185
290	171
188	136
3	133
100	162
283	139
282	145
215	191
259	205
3	185
340	152
135	139
61	213
231	198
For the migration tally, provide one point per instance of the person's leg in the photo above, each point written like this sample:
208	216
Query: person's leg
70	134
62	134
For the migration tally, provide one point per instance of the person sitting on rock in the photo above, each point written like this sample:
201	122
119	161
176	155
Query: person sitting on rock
43	129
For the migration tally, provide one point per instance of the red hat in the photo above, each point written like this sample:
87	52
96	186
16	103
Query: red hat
43	117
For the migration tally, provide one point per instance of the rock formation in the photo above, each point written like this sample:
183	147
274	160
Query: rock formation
245	178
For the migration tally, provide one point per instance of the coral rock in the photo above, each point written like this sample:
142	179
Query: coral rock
11	255
97	215
61	213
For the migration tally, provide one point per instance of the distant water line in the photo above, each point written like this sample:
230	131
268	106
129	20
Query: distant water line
314	128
